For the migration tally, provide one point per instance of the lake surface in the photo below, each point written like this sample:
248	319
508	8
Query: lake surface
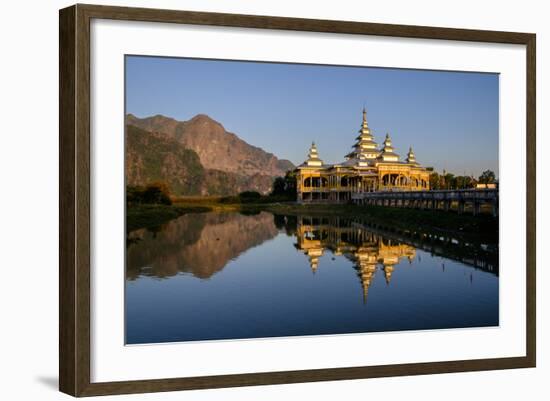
212	276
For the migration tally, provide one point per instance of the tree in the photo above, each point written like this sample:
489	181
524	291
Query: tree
487	177
434	181
449	181
467	182
463	182
285	186
157	193
290	184
154	193
250	195
279	187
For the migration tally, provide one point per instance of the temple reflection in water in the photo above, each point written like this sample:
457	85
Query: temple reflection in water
364	248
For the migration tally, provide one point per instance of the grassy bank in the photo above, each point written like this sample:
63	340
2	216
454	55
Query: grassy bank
150	216
477	228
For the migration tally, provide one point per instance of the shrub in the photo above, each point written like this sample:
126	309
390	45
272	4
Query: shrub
249	196
152	194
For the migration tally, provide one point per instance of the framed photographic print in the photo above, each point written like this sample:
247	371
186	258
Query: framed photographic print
250	200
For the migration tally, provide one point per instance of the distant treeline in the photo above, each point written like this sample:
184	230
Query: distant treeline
451	181
283	190
159	193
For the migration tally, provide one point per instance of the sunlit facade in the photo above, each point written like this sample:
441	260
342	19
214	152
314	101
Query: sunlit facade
365	169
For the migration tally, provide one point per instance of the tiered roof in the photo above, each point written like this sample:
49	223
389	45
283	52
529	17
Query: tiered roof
365	151
313	159
411	158
388	154
365	147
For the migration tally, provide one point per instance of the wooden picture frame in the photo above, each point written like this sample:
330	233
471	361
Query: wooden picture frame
74	205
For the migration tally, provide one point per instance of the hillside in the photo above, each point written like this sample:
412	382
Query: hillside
162	149
216	148
154	157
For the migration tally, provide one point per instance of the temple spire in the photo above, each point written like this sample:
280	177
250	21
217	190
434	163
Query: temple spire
388	153
313	156
364	148
411	158
313	151
387	144
366	274
364	131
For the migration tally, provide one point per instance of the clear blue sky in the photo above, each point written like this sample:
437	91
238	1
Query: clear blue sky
450	118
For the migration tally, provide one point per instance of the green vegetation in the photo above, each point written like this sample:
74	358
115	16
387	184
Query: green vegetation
285	186
154	193
250	196
151	206
487	177
450	181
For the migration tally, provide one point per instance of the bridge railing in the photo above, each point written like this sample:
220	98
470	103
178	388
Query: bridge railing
448	194
433	199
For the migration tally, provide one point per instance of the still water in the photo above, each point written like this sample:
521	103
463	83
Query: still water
212	276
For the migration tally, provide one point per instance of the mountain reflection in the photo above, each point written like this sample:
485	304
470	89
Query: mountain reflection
200	244
203	244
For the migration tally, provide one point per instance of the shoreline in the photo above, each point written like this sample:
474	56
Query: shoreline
152	216
481	228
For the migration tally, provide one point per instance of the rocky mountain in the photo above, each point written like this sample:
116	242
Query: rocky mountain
217	148
196	157
152	157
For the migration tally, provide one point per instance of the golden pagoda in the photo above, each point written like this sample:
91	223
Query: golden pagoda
366	250
365	169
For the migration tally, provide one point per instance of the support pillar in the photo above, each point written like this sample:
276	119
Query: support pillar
461	206
476	208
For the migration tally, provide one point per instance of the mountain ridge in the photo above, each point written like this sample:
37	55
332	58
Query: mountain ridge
196	157
217	148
